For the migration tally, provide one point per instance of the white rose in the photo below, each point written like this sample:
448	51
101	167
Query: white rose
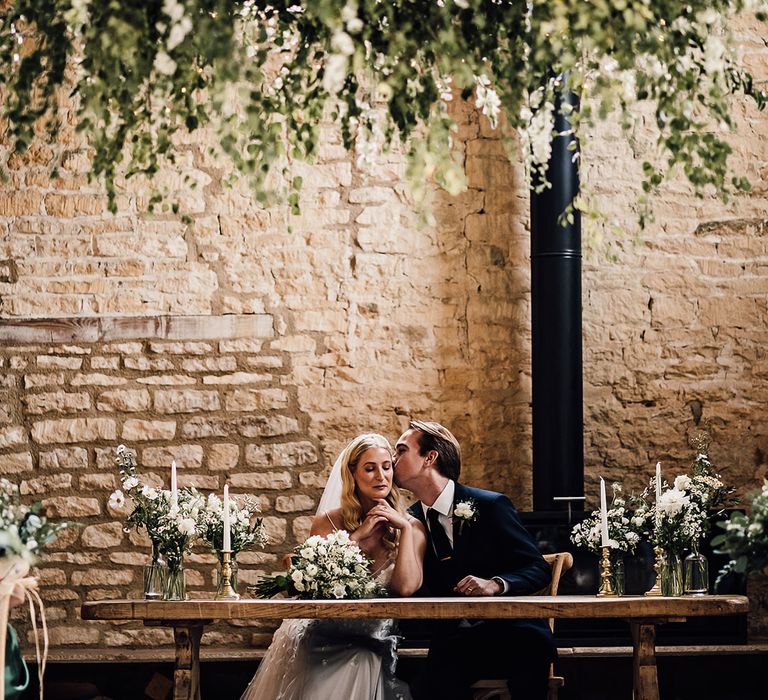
338	590
187	527
682	482
297	576
311	570
165	64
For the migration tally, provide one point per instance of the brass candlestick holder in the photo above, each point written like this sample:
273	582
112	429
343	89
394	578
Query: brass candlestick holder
658	565
607	589
226	591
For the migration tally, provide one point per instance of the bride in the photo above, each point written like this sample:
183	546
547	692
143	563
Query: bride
351	659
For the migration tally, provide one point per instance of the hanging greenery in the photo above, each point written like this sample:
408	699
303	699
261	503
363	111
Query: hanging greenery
265	76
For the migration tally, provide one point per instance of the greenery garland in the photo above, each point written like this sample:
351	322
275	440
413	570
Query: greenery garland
266	75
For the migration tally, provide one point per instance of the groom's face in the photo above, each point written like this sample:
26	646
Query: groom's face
408	462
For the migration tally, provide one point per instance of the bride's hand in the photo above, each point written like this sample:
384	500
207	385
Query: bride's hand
369	527
394	518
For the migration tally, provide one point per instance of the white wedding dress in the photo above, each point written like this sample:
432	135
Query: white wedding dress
331	660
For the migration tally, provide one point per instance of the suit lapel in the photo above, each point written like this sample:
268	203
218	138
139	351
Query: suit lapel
459	532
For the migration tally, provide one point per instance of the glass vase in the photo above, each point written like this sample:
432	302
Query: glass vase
175	588
696	573
155	575
233	575
672	575
617	568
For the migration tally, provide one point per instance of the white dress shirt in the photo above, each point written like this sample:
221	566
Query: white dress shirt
444	506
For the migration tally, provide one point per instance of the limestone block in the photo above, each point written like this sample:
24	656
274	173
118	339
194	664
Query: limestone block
268	426
240	345
256	558
275	529
200	481
237	378
100	482
191	348
292	504
266	362
318	479
64	458
59	594
105	363
255	400
97	379
74	430
146	364
295	343
135	430
130	558
49	576
262	480
46	484
125	400
32	381
15	463
13	436
186	456
186	401
122	348
57	402
141	638
103	536
68	206
20	203
290	454
66	635
104	593
223	456
210	364
102	577
71	507
166	379
301	527
48	361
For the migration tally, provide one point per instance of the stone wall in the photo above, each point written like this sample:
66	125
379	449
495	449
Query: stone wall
251	345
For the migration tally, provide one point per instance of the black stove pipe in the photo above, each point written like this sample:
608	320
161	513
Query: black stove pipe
558	419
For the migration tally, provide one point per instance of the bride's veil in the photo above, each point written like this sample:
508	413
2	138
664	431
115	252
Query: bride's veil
331	498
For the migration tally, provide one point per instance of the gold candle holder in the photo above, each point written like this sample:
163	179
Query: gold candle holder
226	591
658	565
607	589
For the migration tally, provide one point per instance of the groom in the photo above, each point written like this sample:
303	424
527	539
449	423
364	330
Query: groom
477	546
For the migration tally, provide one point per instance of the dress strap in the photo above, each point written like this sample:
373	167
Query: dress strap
333	524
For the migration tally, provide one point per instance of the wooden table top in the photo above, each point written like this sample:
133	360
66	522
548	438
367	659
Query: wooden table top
502	607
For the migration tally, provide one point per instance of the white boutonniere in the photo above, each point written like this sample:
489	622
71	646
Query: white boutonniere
466	512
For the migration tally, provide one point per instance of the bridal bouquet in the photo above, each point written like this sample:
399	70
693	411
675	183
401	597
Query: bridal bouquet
246	529
323	568
623	535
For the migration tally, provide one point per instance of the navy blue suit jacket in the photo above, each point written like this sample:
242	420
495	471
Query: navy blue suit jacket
494	544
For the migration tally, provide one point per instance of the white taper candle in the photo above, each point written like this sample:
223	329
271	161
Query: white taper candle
174	488
227	537
603	514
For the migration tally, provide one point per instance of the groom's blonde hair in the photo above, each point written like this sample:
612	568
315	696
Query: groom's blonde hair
352	515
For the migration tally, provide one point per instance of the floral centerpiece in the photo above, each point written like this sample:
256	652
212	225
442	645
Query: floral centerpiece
745	537
324	568
623	534
246	528
171	524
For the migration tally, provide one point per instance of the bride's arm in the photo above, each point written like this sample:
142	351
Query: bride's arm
408	573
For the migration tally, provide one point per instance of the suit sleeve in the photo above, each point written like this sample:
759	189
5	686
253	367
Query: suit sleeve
520	564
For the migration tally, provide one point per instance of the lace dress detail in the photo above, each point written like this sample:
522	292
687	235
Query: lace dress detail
328	659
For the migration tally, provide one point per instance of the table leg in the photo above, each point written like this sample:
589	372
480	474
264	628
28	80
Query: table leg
645	677
186	674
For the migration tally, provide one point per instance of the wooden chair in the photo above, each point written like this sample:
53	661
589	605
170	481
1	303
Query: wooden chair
487	689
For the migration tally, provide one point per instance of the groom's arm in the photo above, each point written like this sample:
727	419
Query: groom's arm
520	564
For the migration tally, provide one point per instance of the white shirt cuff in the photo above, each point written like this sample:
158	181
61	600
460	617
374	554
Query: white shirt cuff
503	583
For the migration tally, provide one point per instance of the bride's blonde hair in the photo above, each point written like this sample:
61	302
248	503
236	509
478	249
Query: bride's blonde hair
351	510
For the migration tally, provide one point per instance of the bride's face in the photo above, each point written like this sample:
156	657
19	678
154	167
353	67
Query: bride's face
373	474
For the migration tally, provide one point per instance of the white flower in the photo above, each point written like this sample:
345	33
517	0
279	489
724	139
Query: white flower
682	482
672	502
297	576
164	63
465	510
33	522
178	32
342	43
338	590
187	526
116	500
335	73
130	483
174	9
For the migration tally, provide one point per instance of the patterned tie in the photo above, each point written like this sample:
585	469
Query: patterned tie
440	541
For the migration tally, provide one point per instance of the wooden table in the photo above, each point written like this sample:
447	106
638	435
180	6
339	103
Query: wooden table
188	619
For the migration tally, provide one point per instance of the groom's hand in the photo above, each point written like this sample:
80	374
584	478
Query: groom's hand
474	585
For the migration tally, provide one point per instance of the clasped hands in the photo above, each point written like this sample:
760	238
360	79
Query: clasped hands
476	586
381	515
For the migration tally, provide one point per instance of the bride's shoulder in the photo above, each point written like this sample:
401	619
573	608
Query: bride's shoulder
326	522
